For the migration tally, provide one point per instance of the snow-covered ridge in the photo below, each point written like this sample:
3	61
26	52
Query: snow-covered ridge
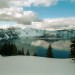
29	31
19	31
29	65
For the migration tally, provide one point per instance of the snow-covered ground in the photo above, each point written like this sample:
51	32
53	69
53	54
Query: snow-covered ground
30	65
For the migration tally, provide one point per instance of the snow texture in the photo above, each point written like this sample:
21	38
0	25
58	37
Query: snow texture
29	65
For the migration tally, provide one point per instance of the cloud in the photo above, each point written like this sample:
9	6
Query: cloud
33	2
9	12
40	43
56	23
27	3
58	45
62	45
18	15
4	3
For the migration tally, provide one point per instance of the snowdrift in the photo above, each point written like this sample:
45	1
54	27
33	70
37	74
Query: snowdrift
30	65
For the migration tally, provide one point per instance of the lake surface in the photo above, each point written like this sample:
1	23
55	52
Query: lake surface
60	49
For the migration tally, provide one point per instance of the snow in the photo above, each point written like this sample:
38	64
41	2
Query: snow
30	65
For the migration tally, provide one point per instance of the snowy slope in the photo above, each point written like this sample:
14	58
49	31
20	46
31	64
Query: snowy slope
14	32
29	65
28	31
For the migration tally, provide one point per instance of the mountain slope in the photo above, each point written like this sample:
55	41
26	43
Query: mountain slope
28	65
13	32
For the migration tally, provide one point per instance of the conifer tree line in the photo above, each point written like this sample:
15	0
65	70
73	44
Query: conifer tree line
72	51
10	49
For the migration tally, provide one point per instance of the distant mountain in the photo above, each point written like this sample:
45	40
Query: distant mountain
17	32
24	36
13	33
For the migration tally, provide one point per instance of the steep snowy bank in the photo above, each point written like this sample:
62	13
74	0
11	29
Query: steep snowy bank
29	65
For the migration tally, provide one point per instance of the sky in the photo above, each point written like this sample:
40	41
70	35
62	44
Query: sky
42	14
62	9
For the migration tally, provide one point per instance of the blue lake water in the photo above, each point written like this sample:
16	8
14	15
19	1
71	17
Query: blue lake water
38	46
41	52
56	53
61	54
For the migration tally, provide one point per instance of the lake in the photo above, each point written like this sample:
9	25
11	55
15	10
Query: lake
60	49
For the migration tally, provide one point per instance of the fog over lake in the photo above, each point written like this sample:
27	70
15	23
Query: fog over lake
33	45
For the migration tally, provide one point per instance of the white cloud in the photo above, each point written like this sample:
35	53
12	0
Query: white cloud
4	3
62	45
30	18
58	45
41	43
58	23
18	15
8	3
28	3
34	2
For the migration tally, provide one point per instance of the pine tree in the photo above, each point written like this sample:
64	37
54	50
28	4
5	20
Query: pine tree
5	49
8	49
35	54
72	49
49	52
20	52
23	51
14	49
27	53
